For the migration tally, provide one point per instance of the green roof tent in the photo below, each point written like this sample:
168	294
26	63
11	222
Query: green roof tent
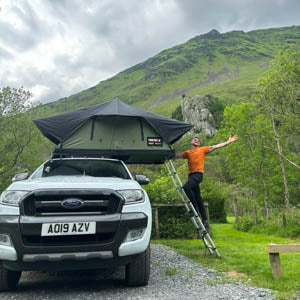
114	130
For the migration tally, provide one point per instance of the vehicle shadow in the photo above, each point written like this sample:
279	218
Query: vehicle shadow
70	282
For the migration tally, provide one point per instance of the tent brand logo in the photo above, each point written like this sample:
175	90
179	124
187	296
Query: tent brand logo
72	203
154	141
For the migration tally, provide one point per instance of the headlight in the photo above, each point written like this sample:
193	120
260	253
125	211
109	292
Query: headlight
12	197
132	196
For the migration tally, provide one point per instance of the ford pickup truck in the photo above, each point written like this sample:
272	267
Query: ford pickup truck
75	213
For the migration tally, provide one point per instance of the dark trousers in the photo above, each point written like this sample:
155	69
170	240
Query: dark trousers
192	190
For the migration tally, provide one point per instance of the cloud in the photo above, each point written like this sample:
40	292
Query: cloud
56	48
239	15
4	54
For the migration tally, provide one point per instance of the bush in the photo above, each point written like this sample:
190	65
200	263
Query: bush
177	114
274	225
213	193
293	222
244	223
174	224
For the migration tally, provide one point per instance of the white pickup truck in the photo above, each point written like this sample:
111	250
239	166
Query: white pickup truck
75	213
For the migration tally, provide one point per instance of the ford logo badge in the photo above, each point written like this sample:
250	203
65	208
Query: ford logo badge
72	203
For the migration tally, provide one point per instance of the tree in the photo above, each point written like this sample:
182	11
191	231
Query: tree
278	95
266	156
17	130
247	160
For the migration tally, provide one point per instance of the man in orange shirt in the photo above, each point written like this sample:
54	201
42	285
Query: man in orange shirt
196	157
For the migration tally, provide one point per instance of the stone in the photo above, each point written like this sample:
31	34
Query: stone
195	111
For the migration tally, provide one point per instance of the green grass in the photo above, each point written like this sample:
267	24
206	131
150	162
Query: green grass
171	272
245	256
166	108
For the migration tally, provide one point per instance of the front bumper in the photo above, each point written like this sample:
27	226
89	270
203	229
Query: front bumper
29	252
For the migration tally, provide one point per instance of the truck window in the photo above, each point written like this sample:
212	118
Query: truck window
84	167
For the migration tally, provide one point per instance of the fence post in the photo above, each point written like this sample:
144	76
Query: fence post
156	222
206	210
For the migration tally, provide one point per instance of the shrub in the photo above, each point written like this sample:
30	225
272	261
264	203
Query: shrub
174	224
274	225
293	222
162	191
244	223
215	195
177	114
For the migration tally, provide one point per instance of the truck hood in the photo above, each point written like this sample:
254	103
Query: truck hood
74	182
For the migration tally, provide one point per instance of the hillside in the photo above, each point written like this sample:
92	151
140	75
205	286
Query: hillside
223	65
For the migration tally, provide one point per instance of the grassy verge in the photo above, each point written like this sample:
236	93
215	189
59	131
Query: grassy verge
245	257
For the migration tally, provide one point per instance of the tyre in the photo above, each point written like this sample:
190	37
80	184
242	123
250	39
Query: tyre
8	279
138	271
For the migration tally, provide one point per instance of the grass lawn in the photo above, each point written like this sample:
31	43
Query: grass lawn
245	257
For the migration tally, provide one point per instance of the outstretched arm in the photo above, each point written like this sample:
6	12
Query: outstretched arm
181	155
221	145
178	155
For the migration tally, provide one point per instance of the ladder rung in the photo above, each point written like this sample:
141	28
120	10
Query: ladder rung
211	247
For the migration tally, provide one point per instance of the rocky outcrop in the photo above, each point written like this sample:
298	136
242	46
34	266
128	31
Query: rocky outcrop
195	111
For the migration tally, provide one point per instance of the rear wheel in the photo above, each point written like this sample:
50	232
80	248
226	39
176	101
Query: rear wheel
138	271
8	279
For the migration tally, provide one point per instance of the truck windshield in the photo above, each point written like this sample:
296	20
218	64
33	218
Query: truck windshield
84	167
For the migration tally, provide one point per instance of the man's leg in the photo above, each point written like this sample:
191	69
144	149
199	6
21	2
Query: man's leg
200	204
189	190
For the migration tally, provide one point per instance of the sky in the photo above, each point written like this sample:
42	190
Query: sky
56	48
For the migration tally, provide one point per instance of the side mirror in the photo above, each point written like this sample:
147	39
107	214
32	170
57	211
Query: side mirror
20	176
142	179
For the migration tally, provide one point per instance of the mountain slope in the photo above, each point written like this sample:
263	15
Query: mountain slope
224	65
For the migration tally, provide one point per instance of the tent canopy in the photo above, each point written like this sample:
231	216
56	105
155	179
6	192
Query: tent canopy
114	129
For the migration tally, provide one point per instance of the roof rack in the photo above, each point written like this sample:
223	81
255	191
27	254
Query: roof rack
128	156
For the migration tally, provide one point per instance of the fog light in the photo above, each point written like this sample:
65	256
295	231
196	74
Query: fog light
135	234
5	240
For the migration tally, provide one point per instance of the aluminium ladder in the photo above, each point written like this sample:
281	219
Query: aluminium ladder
202	232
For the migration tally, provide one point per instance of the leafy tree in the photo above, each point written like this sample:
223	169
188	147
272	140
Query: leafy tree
216	108
247	161
17	132
265	159
177	114
278	95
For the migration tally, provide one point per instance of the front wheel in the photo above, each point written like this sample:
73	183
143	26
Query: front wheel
138	271
8	279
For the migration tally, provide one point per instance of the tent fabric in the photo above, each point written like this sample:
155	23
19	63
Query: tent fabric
116	133
59	128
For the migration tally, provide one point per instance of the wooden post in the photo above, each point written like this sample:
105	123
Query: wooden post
255	215
235	209
206	210
275	265
156	222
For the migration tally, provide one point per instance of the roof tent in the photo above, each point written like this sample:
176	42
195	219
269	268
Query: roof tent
114	130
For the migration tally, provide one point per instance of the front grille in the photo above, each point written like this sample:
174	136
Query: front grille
49	203
37	240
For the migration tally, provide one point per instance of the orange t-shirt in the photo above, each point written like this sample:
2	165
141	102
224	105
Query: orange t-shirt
196	158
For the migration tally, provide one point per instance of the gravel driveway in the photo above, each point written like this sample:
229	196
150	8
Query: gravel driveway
173	276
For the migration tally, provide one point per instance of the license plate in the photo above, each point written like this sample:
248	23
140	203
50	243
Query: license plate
52	229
